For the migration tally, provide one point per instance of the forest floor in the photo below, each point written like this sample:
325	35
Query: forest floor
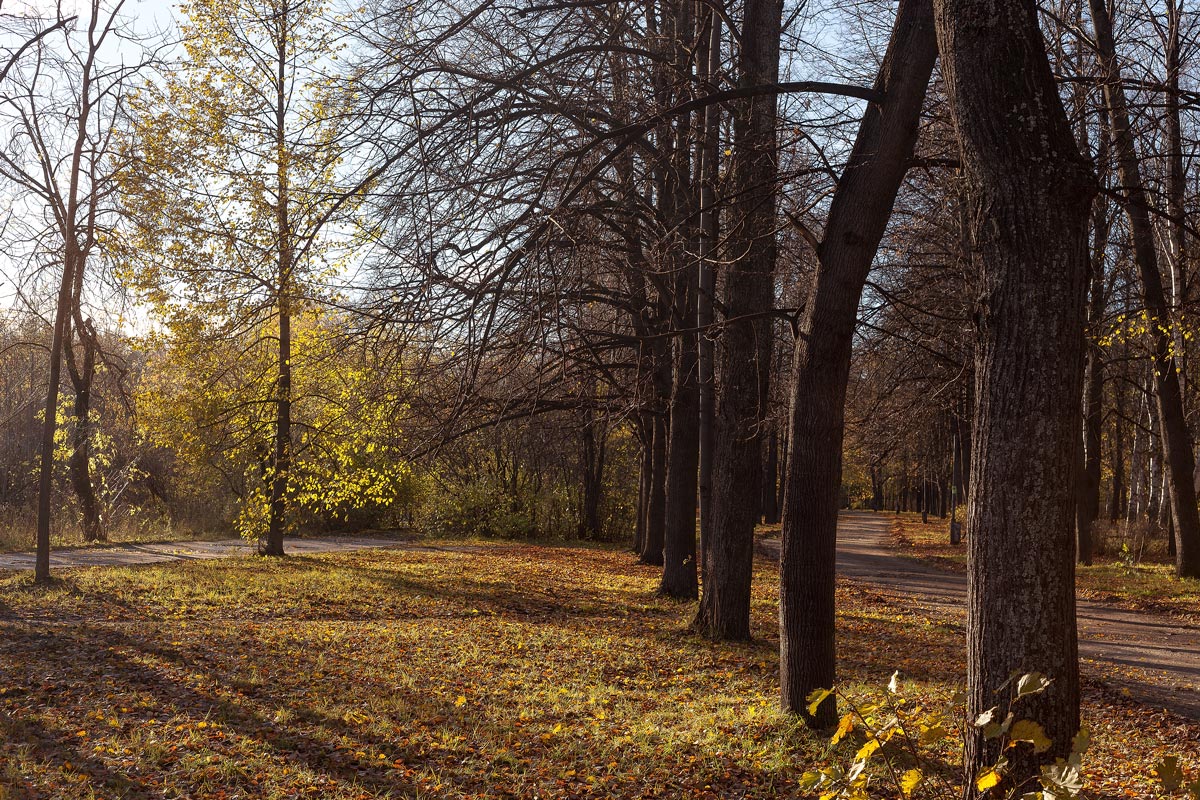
487	670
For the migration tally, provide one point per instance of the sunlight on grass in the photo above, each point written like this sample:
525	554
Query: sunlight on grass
512	671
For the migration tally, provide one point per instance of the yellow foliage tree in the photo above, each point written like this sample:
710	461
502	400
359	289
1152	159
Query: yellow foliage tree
240	204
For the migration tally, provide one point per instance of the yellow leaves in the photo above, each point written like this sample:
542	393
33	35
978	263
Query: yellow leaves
867	750
987	779
816	697
909	781
1025	730
461	701
843	729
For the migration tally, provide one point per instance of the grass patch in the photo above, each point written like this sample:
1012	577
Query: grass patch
499	671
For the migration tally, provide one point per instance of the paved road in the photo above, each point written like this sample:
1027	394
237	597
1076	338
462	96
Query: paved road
126	555
1154	658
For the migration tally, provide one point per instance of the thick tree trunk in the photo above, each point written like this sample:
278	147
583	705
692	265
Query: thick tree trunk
1030	192
1178	458
858	216
746	342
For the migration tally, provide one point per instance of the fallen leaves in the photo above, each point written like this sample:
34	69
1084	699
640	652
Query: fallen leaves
510	671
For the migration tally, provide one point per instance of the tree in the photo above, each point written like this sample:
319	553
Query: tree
1176	440
746	334
858	215
1029	195
243	195
61	103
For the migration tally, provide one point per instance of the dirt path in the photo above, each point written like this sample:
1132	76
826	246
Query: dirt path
126	555
1149	658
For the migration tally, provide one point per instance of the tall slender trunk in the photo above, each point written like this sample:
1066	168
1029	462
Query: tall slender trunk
707	159
1179	459
282	462
746	342
1116	502
858	216
1093	391
770	492
1029	191
1137	465
645	470
656	505
679	577
62	317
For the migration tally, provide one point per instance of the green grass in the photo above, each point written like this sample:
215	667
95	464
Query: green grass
466	671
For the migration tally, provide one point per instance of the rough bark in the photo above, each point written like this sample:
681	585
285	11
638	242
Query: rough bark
1029	192
746	340
858	215
679	576
1179	459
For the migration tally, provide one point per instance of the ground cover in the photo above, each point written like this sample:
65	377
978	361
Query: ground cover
462	670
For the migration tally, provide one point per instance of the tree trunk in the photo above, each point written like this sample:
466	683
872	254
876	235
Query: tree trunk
770	493
62	317
1030	192
645	471
1093	392
708	160
746	341
282	462
82	375
656	505
1116	503
858	215
679	544
1176	441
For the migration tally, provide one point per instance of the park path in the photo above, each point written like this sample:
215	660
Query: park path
128	555
1153	659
